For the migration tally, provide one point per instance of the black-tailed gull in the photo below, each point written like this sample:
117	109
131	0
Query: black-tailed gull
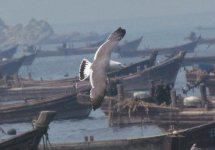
97	70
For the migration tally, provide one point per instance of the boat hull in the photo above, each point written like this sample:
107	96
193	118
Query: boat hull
66	107
189	48
181	140
11	67
165	72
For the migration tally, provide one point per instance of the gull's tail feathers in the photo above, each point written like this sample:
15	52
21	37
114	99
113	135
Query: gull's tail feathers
96	98
85	69
96	103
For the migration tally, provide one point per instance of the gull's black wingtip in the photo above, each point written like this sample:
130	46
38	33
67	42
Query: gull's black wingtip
121	30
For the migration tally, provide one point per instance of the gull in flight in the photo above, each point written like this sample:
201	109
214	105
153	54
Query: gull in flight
97	70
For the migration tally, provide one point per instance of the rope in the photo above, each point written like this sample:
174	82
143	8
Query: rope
47	142
2	130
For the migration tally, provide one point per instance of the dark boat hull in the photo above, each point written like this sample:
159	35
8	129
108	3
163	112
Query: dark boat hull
189	48
66	106
129	46
36	89
189	61
31	139
8	53
90	49
27	141
166	72
135	67
11	67
65	52
29	59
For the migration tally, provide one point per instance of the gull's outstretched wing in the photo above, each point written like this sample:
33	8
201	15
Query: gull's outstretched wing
98	80
104	51
98	70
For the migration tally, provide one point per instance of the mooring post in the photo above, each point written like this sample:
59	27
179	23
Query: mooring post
203	94
138	68
152	88
91	138
110	113
173	97
120	93
16	77
29	76
86	138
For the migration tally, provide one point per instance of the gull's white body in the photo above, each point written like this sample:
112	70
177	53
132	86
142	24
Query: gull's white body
97	71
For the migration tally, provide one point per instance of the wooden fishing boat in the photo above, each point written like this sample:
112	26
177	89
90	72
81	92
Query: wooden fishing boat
25	89
204	28
73	38
165	111
67	106
8	53
129	45
141	80
130	112
133	68
202	136
189	61
65	50
29	59
30	139
196	76
193	37
11	66
189	48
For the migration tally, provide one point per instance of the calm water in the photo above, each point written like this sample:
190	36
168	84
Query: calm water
158	32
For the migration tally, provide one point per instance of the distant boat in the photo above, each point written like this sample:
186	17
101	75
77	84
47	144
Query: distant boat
29	140
205	28
90	48
133	68
67	106
165	71
193	37
29	59
129	45
189	61
25	88
188	48
11	66
74	37
8	53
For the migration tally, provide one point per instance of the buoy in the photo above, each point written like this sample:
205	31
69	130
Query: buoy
140	94
192	101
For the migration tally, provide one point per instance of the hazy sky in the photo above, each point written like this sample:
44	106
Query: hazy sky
72	11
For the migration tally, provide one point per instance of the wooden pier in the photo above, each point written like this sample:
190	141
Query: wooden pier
124	111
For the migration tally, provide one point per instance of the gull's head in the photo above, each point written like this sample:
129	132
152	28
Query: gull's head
114	65
117	35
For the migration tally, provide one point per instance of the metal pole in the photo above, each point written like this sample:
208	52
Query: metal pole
173	97
203	94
